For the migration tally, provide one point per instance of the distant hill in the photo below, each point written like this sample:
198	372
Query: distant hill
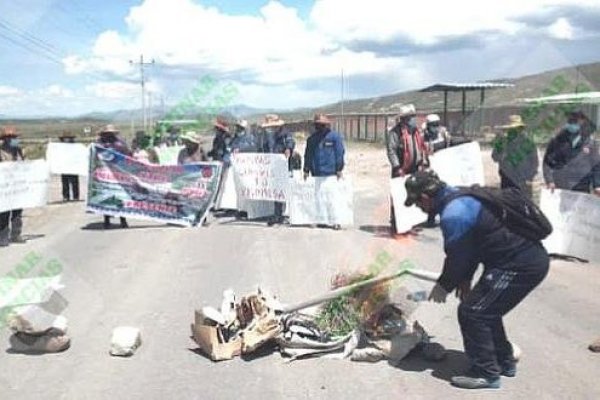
587	76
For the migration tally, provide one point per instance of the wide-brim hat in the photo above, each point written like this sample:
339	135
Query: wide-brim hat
110	128
221	124
515	121
321	119
8	132
272	120
242	123
191	136
405	111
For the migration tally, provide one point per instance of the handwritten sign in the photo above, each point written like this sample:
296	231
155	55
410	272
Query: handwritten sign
261	176
460	165
575	218
23	184
325	200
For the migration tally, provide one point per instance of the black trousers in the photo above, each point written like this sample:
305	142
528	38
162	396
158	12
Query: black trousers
70	183
497	292
9	216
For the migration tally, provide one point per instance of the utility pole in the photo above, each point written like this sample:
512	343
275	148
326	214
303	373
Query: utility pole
141	63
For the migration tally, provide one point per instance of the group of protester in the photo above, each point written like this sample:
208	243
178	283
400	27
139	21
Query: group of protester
474	232
476	229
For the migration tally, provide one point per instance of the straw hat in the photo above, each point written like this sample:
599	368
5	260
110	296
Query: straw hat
221	124
322	119
406	111
191	136
9	131
110	128
515	121
272	120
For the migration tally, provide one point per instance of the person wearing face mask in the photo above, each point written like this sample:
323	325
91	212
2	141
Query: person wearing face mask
436	136
406	148
243	140
516	155
70	183
11	222
572	158
109	138
277	140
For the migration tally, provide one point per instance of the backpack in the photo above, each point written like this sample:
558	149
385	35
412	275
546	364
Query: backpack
514	210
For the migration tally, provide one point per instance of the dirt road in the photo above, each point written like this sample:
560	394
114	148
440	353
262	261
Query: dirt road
153	276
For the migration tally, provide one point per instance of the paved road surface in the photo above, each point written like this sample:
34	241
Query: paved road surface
153	276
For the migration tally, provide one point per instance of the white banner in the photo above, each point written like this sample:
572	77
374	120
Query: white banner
23	184
326	201
228	199
68	158
575	219
406	217
460	165
261	176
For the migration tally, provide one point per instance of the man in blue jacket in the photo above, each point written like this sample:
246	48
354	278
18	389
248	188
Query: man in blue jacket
513	267
324	153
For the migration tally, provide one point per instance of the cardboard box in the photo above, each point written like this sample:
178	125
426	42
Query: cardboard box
207	337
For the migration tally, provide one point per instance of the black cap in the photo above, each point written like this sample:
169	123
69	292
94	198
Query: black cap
421	182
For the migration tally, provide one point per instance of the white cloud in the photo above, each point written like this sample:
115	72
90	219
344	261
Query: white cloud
561	29
425	22
56	92
9	91
118	90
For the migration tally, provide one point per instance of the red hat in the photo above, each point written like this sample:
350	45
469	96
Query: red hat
221	124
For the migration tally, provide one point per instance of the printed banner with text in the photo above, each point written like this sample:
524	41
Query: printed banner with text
178	194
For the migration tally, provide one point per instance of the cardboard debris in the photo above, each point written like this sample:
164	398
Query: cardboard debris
125	341
209	336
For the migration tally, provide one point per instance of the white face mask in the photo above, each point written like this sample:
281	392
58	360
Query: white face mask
14	142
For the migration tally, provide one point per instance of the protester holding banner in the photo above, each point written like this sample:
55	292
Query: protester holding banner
11	222
221	142
436	136
513	266
277	141
70	183
406	149
572	159
109	138
192	152
516	155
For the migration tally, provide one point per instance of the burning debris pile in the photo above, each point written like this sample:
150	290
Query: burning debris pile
355	321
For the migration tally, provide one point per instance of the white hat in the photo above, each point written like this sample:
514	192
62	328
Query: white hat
242	123
433	118
406	110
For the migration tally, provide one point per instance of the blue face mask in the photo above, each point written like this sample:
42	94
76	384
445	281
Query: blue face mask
412	122
572	127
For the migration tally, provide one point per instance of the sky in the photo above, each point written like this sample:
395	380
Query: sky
72	57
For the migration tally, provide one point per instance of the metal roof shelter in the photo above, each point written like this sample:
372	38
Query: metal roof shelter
464	88
576	98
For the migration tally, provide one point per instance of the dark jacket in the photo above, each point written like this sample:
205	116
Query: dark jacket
244	143
9	153
278	142
396	140
115	143
324	154
517	158
221	146
473	235
571	163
